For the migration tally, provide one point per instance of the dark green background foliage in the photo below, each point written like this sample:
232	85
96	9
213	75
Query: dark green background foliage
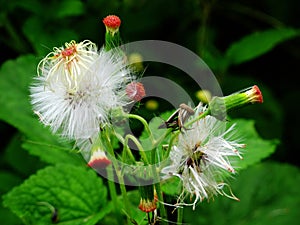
243	42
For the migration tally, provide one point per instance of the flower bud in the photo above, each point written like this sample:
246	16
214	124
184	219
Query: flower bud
99	160
219	106
112	24
112	35
148	198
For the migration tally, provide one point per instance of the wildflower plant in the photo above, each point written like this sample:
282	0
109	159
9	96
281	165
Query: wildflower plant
86	94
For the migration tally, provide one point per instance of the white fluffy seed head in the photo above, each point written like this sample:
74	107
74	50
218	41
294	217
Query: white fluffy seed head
77	87
201	158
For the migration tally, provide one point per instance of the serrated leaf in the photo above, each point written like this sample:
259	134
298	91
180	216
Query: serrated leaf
15	78
268	193
257	148
53	154
77	194
257	44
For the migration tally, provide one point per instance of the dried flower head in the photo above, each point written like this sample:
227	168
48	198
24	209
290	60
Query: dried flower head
135	91
75	94
99	160
202	157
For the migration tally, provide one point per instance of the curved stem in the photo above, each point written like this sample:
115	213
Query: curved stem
144	122
138	144
179	215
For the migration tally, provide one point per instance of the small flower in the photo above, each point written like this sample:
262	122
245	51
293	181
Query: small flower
68	63
112	23
202	157
75	95
219	106
254	94
148	202
147	205
135	91
99	160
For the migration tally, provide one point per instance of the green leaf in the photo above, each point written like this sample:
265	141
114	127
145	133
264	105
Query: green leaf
53	154
257	148
9	218
15	78
269	194
172	186
19	160
7	181
77	194
257	44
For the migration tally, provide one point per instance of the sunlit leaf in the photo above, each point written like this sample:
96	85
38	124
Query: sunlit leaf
257	44
75	193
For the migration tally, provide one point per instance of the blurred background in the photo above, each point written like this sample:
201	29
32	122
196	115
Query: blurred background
210	28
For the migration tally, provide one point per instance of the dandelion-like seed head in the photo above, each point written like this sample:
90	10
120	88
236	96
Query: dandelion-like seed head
75	91
202	158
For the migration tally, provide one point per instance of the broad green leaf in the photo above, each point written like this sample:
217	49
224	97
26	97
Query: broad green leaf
256	148
53	154
9	217
76	193
257	44
15	79
269	194
19	160
8	180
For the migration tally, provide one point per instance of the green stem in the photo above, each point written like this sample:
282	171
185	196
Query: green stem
138	144
205	15
179	215
145	124
113	193
119	175
163	212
